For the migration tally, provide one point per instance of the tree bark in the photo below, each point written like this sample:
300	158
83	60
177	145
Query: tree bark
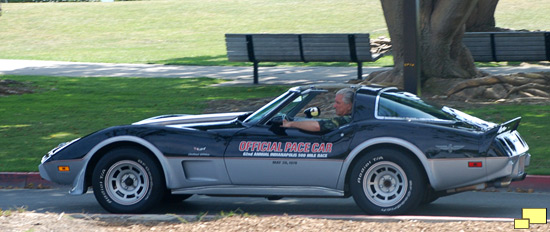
483	16
442	25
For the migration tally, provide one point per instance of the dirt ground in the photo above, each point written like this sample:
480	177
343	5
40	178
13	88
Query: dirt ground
10	87
30	221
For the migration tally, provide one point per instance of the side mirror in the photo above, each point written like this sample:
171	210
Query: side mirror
312	112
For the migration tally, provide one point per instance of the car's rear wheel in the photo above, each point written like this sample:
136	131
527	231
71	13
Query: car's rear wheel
429	196
387	181
127	180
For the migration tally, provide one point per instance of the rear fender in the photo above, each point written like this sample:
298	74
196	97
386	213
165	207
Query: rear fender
383	140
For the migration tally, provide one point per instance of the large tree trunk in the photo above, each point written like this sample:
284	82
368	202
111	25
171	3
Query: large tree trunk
483	16
442	26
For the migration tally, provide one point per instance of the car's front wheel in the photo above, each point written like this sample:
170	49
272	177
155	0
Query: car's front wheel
127	180
387	181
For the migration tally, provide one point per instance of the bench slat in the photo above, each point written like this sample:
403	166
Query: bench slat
522	58
523	53
325	47
299	48
508	46
521	49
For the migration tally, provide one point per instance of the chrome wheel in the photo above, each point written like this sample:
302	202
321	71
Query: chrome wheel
126	182
387	181
385	184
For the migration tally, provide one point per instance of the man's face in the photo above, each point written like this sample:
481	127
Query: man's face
341	107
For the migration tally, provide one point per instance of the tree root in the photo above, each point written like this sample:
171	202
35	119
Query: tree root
534	85
538	89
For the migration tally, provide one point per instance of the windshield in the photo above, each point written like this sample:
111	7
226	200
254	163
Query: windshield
290	108
291	104
256	116
406	105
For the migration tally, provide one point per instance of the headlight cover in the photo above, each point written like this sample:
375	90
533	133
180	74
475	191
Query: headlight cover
57	149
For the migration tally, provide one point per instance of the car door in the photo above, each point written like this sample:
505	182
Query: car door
290	157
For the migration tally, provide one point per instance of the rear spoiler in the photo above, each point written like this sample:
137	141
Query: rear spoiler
489	136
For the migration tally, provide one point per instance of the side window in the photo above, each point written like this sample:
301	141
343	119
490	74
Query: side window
324	101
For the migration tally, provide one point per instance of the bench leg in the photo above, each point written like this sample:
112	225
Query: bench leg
255	72
359	70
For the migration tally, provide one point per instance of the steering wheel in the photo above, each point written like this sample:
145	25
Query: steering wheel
287	118
278	120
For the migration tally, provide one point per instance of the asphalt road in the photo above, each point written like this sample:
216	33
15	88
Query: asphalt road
468	204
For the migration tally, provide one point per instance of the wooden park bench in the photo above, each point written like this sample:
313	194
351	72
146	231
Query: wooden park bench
508	46
300	48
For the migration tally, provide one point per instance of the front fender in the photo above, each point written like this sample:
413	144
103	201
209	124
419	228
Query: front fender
79	187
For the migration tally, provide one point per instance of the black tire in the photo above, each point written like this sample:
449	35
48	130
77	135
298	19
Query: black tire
387	182
429	196
127	180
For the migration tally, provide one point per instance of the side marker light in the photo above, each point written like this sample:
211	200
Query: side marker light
475	164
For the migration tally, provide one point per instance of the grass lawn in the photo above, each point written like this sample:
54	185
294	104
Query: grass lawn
66	108
189	32
192	31
168	31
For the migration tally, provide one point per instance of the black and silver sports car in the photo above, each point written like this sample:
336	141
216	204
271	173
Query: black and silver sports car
396	152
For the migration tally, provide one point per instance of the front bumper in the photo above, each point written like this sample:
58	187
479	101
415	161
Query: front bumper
51	171
62	172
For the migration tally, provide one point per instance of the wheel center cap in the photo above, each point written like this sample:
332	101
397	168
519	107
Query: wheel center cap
387	183
129	182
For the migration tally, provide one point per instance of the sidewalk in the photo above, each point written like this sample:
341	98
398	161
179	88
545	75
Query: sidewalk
237	75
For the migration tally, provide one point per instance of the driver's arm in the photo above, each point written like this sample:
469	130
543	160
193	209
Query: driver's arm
309	125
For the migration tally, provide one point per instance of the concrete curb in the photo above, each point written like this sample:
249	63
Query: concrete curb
536	182
171	218
24	180
532	183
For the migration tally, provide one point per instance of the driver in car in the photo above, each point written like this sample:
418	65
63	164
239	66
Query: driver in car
343	103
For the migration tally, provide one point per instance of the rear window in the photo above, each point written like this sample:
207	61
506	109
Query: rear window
406	105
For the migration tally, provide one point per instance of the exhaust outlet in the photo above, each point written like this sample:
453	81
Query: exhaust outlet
468	188
501	183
